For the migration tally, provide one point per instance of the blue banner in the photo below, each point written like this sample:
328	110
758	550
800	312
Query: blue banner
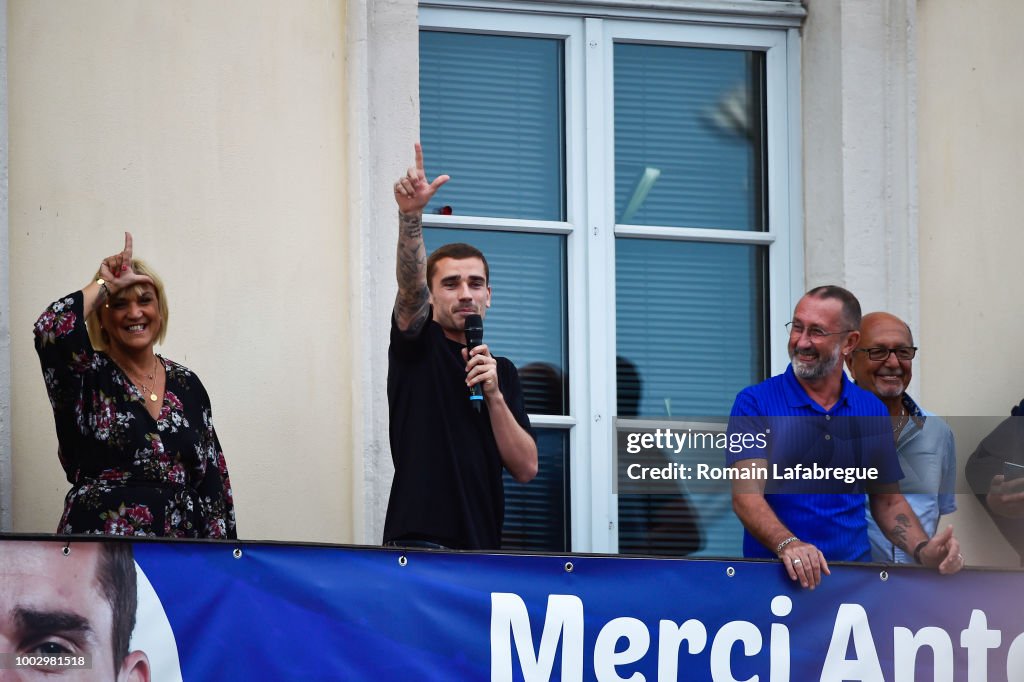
258	611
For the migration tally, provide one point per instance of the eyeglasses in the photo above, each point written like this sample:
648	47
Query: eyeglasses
903	353
816	333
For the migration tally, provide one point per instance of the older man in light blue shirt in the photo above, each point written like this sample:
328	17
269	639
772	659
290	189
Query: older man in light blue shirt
882	363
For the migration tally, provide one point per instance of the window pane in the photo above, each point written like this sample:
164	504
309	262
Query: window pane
527	320
527	324
492	118
683	522
690	325
690	333
537	513
661	525
688	524
688	137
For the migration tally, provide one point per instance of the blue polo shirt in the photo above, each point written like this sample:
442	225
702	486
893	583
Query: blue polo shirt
855	435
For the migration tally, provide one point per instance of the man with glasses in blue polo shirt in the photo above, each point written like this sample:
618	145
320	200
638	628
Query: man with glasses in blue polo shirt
817	421
882	363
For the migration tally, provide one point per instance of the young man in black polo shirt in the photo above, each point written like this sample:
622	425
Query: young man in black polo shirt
447	491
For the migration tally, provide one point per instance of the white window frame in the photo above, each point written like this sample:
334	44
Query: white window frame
589	33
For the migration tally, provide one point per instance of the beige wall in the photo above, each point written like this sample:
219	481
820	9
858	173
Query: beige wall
971	173
250	144
215	132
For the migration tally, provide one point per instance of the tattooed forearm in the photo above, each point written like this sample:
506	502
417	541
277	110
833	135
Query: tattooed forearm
411	266
411	304
410	225
898	533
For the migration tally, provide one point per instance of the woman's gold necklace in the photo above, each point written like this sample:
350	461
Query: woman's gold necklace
148	388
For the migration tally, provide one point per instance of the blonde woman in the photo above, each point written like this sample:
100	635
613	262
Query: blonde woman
134	429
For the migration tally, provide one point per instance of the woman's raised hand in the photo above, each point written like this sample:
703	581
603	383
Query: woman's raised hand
118	270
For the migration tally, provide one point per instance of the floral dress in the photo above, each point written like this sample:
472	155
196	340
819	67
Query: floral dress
130	474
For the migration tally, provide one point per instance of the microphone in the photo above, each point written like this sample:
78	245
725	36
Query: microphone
474	337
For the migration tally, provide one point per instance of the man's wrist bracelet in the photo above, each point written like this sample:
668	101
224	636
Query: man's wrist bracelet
782	545
917	550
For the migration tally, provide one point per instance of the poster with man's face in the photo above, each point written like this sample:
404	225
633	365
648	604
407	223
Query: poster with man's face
80	611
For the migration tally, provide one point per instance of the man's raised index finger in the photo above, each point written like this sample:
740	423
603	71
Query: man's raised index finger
419	156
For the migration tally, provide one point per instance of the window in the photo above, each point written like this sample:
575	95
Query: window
497	99
629	182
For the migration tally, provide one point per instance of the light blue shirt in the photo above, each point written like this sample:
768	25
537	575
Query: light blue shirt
928	458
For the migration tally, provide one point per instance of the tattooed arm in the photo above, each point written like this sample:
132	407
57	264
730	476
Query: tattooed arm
412	193
411	271
899	523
